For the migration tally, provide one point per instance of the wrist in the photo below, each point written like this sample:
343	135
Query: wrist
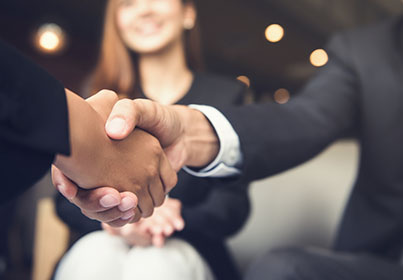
201	141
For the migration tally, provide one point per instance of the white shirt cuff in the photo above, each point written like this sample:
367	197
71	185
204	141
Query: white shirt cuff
229	156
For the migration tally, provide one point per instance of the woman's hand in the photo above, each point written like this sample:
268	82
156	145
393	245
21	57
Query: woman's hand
153	230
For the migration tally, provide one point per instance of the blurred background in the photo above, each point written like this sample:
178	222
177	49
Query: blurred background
274	46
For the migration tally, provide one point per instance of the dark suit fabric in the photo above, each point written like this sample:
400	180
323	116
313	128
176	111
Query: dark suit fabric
213	209
359	91
33	122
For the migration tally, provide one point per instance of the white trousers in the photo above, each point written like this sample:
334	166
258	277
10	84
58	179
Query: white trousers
101	256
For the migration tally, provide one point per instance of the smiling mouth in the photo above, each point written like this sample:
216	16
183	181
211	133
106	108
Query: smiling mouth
148	29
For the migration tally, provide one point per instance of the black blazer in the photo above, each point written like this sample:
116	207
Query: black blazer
33	122
213	209
359	90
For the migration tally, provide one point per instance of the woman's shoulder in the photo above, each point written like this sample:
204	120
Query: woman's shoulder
216	87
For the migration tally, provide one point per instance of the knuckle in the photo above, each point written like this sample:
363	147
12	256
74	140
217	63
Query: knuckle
152	171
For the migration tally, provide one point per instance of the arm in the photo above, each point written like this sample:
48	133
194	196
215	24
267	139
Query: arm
273	137
29	137
34	126
276	137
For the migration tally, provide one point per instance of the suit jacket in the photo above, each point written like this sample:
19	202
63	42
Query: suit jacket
213	209
33	122
360	90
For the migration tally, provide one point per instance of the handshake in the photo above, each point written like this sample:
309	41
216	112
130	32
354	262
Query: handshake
125	154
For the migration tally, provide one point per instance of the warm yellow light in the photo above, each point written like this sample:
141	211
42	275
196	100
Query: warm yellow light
274	33
319	58
244	80
281	96
49	41
50	38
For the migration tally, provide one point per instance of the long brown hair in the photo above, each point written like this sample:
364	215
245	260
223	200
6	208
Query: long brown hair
117	67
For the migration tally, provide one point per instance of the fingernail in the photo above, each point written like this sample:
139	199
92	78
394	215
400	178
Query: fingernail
62	189
108	201
116	126
127	203
128	215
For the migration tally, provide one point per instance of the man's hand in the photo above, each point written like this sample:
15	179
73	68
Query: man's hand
153	230
137	164
185	134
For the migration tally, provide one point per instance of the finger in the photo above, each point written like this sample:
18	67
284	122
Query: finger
137	216
103	102
128	201
66	187
145	205
117	223
167	221
174	213
168	176
122	120
109	215
158	240
97	200
155	227
157	191
111	230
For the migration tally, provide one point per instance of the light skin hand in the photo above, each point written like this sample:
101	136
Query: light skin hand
163	223
132	234
185	134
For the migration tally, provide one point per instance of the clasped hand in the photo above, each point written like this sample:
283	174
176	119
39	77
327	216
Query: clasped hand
107	178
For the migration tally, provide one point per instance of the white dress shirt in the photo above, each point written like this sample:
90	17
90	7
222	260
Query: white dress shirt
229	157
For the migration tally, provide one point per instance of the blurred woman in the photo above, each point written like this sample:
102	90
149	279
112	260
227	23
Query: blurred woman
150	49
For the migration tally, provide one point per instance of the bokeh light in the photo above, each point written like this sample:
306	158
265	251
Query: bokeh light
274	33
244	79
50	38
319	58
282	96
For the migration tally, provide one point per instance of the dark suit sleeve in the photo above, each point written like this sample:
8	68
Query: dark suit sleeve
277	137
222	214
33	122
227	206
